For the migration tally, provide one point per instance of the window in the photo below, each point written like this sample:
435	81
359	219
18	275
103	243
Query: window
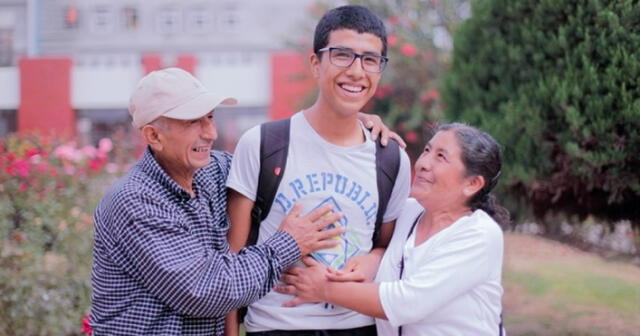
169	21
8	122
199	21
228	19
71	17
6	47
130	18
102	20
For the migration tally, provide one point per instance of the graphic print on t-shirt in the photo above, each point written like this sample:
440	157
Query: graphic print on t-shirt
358	208
348	246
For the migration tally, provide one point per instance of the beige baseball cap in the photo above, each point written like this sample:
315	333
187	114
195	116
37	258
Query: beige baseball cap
172	93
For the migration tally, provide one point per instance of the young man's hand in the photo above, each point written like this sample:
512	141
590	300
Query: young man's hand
360	268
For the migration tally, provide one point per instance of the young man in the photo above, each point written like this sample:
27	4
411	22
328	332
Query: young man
331	159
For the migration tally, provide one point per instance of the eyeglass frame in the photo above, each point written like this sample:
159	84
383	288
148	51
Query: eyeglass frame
384	59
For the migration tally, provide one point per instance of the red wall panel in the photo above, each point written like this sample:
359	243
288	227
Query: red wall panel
291	83
45	96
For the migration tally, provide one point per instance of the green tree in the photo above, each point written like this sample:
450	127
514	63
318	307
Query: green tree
556	82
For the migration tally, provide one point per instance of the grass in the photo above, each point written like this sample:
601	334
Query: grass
553	289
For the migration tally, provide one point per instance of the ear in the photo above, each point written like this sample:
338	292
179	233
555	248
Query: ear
152	137
314	60
473	185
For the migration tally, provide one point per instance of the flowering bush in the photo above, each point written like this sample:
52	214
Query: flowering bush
48	191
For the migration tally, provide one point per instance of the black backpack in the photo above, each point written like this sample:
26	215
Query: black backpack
274	148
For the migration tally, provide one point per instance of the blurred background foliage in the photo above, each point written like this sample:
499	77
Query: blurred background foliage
49	188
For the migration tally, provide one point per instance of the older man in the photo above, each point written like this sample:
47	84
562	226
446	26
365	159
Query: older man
162	265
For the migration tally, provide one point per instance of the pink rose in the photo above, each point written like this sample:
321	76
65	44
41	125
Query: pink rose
392	40
409	49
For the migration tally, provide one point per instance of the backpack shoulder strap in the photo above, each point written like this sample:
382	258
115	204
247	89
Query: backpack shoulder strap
274	148
387	168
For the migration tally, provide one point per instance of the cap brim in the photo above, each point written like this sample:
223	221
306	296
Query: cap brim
199	106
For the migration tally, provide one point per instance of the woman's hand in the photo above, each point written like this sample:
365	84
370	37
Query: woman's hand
374	123
308	284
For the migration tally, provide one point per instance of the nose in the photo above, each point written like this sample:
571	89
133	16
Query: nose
209	131
423	162
356	69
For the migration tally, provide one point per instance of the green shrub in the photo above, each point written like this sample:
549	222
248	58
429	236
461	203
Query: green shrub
556	82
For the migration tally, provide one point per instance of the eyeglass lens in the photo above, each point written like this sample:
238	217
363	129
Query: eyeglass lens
346	57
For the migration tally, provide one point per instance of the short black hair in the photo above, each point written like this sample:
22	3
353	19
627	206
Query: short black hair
353	17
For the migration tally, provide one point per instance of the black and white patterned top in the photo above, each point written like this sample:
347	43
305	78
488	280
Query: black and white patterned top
162	264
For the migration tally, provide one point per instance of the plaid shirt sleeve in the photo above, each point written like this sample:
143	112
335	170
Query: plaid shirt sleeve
176	249
176	267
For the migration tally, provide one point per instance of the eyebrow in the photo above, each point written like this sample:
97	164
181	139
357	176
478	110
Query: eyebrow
368	53
441	150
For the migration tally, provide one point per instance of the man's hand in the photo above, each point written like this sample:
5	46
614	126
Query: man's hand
308	284
374	123
308	232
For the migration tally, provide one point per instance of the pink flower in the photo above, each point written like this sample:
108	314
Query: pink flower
411	137
429	96
86	326
433	94
89	151
23	186
96	164
105	145
393	21
19	168
31	152
392	40
65	152
409	49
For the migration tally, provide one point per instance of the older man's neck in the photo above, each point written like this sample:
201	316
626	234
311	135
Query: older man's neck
183	177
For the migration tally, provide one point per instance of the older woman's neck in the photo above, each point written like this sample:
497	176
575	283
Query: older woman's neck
434	221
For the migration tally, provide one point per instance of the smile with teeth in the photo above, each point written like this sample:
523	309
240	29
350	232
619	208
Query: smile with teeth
201	149
352	88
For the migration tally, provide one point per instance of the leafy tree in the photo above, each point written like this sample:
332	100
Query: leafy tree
556	82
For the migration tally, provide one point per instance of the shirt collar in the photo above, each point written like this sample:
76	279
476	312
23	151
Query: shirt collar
150	166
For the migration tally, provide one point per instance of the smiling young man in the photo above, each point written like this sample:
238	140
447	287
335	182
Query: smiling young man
331	159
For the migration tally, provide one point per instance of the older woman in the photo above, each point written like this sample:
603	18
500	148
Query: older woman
441	272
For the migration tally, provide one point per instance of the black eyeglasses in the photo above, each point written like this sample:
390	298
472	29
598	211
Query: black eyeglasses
344	57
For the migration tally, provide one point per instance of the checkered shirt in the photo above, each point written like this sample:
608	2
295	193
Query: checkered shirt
161	261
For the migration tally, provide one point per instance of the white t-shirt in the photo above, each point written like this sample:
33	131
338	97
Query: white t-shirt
317	172
451	282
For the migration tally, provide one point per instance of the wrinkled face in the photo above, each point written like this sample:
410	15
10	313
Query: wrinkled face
347	90
185	144
439	172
